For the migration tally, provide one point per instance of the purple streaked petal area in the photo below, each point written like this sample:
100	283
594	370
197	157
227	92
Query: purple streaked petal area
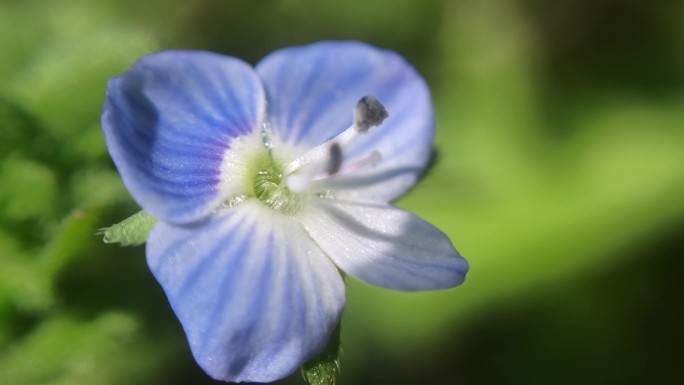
255	296
168	121
313	89
383	245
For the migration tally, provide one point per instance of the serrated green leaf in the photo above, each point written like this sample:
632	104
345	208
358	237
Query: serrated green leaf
131	231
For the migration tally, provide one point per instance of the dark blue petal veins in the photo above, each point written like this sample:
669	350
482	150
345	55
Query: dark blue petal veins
168	121
256	297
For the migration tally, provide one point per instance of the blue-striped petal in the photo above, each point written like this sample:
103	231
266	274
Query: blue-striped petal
383	245
256	297
312	91
168	122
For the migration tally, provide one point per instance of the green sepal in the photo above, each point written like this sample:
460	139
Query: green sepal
132	231
323	369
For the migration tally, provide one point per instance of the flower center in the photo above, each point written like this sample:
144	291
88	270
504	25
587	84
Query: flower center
251	169
274	194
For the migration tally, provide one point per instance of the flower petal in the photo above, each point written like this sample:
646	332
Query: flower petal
312	91
384	246
256	297
168	121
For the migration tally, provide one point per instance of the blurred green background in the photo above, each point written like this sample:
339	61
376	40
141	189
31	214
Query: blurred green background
560	176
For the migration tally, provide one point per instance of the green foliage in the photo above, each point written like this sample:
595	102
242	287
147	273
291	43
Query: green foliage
57	184
21	286
90	345
29	189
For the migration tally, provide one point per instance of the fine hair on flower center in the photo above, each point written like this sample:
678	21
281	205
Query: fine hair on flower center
269	190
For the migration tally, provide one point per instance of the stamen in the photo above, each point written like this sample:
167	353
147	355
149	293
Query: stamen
301	182
369	112
372	160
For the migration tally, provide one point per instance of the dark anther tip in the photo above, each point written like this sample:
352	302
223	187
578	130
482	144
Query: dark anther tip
369	112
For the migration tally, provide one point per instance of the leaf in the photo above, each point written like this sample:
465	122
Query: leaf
69	242
22	132
68	347
23	287
29	189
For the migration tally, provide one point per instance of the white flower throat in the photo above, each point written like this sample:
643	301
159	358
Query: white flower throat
281	184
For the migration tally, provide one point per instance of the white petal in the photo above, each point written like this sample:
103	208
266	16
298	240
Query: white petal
383	245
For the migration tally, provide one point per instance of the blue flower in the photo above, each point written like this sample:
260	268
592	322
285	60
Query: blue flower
265	182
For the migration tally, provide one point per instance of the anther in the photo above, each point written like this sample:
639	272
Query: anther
369	112
335	160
